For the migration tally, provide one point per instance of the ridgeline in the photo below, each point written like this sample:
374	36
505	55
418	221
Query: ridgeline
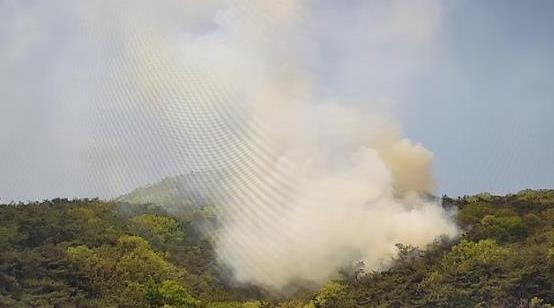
91	253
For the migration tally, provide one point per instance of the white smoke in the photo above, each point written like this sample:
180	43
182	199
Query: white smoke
315	182
344	168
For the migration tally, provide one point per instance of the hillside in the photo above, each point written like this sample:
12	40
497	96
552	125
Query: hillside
90	253
178	193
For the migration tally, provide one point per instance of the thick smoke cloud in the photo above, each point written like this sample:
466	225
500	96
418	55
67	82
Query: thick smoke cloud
313	183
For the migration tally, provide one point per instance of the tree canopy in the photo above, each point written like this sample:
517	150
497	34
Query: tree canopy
91	253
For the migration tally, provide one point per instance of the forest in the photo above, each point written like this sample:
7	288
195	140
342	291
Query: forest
94	253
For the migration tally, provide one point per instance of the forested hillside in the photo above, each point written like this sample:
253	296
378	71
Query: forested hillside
90	253
178	193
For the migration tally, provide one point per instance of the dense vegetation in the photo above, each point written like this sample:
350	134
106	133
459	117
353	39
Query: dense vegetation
90	253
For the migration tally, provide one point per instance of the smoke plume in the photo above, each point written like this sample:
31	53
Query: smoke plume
315	185
314	180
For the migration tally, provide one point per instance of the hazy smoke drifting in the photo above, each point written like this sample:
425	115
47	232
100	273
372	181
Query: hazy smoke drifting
316	182
341	170
312	180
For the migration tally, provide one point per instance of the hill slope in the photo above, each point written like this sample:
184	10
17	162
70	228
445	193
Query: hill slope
179	193
85	253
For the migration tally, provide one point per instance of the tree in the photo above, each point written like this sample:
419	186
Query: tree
170	293
471	273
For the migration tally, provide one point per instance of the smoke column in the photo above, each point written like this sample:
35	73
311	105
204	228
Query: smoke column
309	182
314	184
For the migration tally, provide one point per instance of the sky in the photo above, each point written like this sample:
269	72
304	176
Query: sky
473	81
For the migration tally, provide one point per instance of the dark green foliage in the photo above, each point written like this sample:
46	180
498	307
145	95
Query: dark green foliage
504	258
89	253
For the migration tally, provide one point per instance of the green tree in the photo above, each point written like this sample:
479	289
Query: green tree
468	275
170	293
157	227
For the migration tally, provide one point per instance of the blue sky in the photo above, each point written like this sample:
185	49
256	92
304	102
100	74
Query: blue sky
486	109
473	81
480	95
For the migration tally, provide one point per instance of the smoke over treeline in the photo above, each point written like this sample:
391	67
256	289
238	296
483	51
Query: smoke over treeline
312	183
